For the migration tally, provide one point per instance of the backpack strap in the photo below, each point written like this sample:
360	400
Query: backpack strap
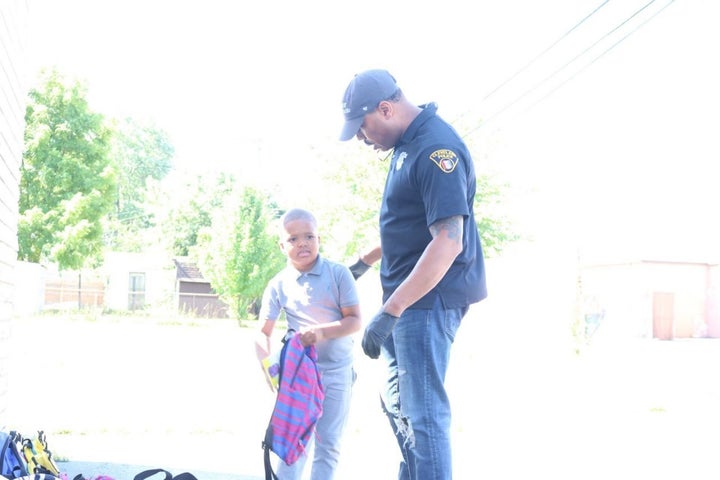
168	476
149	473
267	445
185	476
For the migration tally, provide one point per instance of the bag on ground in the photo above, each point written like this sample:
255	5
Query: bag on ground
298	405
39	476
12	462
80	476
38	457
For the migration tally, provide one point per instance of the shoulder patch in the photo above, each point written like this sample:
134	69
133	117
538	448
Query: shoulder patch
445	159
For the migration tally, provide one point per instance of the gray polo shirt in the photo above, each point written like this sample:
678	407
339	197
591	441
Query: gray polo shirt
312	298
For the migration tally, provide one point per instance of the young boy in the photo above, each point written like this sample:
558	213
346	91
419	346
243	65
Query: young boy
320	301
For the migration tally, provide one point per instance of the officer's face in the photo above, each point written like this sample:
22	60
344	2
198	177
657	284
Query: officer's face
375	131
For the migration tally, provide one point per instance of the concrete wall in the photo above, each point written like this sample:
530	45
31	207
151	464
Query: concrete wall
13	41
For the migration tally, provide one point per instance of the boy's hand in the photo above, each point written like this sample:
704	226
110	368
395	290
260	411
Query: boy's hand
310	337
261	351
377	331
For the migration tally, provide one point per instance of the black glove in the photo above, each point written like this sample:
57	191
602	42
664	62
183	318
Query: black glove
358	269
377	331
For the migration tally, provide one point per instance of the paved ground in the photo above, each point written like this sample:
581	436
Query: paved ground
122	471
118	397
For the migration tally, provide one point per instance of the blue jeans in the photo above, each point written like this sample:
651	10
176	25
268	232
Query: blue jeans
415	400
337	385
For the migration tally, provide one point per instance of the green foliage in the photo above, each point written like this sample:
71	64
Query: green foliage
66	178
192	211
83	183
495	230
349	224
239	253
142	155
354	181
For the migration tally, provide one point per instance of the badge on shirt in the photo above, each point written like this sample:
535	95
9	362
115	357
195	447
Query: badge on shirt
445	159
400	160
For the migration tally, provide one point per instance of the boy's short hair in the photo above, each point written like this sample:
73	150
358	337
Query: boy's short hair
297	214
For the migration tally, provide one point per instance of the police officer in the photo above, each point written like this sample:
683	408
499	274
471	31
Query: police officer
431	268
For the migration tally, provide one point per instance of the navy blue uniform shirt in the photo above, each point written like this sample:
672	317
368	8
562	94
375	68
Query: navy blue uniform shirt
431	177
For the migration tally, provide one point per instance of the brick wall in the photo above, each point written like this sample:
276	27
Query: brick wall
13	33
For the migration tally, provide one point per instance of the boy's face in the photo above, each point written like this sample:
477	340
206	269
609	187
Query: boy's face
300	243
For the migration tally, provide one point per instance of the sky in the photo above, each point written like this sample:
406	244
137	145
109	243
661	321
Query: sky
606	129
221	75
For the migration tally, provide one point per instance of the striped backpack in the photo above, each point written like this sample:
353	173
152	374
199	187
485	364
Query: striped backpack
298	405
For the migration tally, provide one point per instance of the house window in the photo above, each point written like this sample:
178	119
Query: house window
136	291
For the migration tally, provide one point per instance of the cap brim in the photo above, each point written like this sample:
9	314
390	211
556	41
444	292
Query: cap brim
351	128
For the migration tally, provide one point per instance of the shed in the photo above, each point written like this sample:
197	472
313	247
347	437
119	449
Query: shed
194	293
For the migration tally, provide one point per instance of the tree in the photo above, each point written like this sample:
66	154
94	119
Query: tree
239	253
66	178
349	224
496	231
203	196
142	156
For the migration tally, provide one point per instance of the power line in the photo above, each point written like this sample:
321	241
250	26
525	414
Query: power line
568	63
537	57
599	56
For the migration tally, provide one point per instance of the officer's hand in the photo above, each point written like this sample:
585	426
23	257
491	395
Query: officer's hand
377	331
358	268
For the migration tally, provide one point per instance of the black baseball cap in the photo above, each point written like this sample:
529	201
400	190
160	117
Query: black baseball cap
362	96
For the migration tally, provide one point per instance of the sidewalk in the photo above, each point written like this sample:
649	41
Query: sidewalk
189	399
127	472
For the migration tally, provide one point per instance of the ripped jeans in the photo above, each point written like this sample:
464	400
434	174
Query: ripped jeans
414	398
